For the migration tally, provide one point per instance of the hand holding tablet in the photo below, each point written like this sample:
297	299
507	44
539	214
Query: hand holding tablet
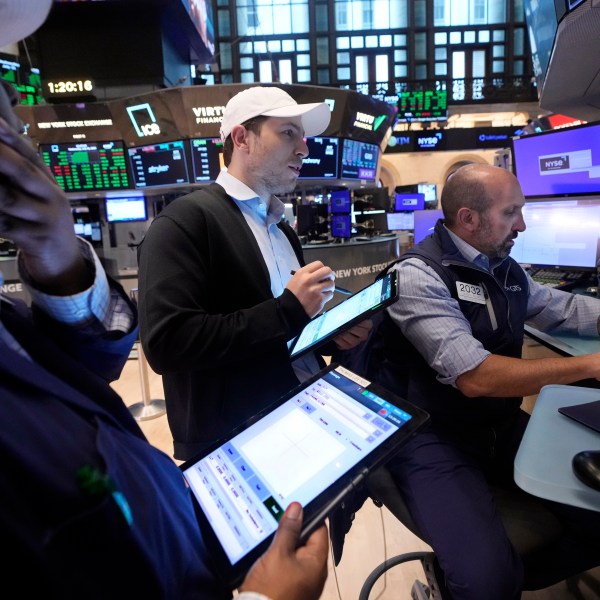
313	447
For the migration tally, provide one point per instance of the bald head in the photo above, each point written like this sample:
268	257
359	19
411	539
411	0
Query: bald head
474	186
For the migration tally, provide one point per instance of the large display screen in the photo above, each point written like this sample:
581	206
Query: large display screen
207	158
125	208
560	233
423	105
341	226
157	165
87	166
359	160
322	159
563	162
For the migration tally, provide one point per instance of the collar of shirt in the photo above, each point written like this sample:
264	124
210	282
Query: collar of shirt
242	193
473	255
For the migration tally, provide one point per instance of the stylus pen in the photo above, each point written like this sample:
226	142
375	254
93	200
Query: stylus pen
341	290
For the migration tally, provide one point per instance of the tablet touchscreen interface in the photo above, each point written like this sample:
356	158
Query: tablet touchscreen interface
357	308
312	446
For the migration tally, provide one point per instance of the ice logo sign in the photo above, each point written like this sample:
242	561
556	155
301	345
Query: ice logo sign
143	120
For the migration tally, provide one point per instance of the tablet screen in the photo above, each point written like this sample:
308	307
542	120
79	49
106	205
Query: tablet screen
358	307
311	447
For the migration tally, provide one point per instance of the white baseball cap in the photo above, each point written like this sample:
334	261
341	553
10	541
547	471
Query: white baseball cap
20	18
273	102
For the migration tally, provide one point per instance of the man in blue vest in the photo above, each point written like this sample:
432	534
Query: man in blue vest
88	508
452	345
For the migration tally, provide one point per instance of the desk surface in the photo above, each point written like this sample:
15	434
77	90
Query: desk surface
543	462
564	344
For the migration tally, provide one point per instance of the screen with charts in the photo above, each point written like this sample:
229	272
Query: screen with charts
207	158
159	164
359	160
87	166
561	233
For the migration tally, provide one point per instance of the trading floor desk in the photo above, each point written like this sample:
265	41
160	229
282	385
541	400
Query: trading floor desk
355	262
543	462
565	344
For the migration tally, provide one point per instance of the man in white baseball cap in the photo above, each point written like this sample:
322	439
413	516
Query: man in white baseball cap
273	102
222	277
89	508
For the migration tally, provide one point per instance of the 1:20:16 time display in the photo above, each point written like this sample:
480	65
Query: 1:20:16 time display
64	87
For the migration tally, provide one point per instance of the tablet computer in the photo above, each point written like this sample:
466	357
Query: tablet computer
587	414
312	446
353	310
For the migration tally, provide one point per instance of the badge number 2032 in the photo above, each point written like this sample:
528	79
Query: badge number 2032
470	292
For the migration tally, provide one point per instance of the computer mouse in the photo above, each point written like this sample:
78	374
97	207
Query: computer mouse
586	466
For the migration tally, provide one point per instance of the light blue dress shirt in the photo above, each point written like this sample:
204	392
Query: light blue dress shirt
432	321
85	310
275	247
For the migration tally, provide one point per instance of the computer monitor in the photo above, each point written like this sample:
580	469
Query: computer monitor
340	202
429	191
322	160
86	222
425	221
398	221
560	233
162	164
341	226
207	159
87	166
125	208
311	219
359	160
559	163
414	201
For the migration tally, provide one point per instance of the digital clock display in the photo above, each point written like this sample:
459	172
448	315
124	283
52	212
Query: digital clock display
78	86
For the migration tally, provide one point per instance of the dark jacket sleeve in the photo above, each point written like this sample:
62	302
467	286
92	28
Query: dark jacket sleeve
205	299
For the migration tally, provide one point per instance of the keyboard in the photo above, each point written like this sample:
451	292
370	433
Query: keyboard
559	279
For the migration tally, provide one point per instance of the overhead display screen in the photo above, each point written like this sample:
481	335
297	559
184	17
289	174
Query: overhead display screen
359	160
87	166
158	165
562	162
207	158
423	105
322	159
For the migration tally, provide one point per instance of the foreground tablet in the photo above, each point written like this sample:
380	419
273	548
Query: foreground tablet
312	446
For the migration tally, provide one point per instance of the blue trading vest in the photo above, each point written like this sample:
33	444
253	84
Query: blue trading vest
498	325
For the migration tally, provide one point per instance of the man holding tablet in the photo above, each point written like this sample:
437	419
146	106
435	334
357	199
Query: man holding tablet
218	302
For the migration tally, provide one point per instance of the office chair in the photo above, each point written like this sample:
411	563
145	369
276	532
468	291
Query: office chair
528	524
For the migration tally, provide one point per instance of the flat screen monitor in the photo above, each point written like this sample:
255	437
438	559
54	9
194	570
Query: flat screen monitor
341	226
340	202
399	221
322	159
429	191
425	221
87	166
86	222
542	24
409	201
422	105
311	219
207	158
562	162
560	233
125	208
359	160
157	165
